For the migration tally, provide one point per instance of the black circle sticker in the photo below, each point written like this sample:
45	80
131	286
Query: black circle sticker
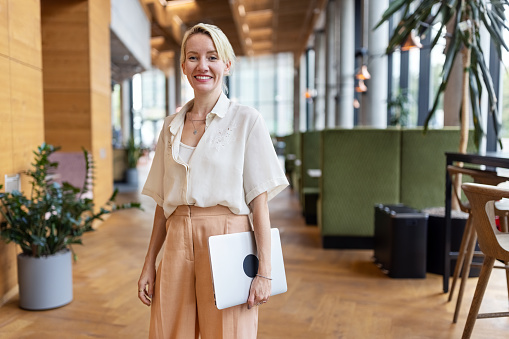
250	265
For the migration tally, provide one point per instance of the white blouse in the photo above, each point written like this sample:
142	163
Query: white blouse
232	164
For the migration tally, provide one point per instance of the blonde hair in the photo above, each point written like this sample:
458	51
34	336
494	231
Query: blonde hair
221	42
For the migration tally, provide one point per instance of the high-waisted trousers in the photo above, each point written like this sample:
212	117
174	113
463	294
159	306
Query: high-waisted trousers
183	301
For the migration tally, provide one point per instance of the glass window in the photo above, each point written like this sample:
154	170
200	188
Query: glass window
504	97
413	86
116	115
437	65
266	83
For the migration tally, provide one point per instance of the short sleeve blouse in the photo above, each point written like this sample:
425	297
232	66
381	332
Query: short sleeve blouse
233	163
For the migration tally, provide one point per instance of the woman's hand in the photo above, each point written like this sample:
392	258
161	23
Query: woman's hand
259	292
146	284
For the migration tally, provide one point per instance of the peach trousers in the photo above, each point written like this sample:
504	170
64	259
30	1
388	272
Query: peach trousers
183	302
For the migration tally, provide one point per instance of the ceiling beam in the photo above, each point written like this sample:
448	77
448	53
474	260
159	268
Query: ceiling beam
239	16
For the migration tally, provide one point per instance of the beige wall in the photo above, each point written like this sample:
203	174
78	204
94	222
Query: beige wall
21	107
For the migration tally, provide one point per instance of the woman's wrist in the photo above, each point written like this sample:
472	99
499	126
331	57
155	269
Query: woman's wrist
264	270
264	276
150	260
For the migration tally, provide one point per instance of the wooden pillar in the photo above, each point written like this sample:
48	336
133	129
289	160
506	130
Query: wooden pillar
77	82
21	108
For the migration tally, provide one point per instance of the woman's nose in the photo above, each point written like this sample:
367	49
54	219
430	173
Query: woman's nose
202	64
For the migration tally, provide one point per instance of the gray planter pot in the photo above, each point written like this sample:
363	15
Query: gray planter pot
45	282
131	175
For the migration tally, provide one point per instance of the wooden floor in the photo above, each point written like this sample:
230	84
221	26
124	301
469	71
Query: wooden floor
331	293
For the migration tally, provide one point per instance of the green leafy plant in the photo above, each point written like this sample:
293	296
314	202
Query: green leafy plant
431	17
399	107
133	153
55	215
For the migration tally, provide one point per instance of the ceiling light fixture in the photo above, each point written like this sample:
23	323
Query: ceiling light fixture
175	2
242	10
411	42
363	73
245	28
361	87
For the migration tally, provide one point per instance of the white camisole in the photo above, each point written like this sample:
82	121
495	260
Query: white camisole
185	152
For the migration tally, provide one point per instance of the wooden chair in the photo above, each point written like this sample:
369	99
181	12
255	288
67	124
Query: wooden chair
469	239
493	243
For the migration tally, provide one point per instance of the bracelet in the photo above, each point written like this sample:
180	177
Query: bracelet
263	276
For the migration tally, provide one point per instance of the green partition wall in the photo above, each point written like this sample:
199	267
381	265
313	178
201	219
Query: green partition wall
423	165
360	168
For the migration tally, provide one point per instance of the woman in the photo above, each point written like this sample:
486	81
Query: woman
214	165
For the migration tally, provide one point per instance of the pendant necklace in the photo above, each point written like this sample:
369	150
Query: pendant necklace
194	127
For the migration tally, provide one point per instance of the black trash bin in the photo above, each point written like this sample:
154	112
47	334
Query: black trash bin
400	241
436	245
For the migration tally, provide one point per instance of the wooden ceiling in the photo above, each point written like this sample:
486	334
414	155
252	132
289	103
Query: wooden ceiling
254	27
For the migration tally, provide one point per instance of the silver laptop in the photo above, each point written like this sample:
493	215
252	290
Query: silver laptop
234	264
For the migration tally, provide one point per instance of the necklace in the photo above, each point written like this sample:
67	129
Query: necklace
194	127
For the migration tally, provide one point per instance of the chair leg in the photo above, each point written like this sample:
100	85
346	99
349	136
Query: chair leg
505	228
484	277
507	276
461	255
472	237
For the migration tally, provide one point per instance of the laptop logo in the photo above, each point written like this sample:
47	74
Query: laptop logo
250	265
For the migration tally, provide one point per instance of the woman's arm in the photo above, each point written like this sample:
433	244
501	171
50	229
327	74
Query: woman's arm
260	287
148	274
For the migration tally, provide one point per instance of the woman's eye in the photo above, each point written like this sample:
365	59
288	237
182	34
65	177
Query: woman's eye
213	58
192	58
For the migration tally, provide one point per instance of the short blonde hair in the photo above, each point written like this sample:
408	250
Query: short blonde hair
221	42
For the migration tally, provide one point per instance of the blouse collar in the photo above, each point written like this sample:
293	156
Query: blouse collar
220	109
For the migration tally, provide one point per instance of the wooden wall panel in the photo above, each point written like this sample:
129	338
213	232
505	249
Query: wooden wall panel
100	80
21	108
25	31
27	117
67	122
102	149
4	28
100	56
65	45
66	66
6	166
77	82
8	272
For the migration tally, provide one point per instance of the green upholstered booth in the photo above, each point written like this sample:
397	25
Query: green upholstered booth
290	155
360	168
309	190
293	159
364	167
423	165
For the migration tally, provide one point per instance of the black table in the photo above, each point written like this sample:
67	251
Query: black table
489	159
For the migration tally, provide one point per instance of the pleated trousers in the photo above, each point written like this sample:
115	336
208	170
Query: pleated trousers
183	301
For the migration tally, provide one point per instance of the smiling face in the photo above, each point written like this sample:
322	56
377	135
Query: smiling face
202	66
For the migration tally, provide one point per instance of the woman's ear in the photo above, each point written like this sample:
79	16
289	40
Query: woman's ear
183	67
227	68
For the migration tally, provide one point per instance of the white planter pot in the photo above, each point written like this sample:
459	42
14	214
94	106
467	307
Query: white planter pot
45	282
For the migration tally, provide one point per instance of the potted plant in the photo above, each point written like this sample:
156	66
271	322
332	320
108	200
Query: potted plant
468	16
133	155
45	224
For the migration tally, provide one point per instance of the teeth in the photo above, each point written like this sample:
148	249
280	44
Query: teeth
203	77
